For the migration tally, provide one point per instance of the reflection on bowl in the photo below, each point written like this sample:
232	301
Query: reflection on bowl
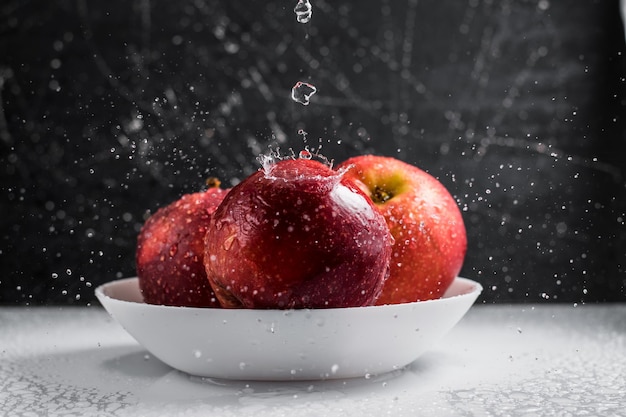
287	344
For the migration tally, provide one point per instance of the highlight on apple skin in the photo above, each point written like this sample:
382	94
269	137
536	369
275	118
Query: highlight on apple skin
170	250
430	240
297	234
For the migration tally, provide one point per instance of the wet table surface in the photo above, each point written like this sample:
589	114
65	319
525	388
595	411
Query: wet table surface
500	360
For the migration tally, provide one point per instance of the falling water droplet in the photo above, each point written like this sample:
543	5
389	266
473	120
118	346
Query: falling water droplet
302	92
303	11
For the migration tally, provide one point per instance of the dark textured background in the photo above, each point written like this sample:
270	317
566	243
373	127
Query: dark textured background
110	109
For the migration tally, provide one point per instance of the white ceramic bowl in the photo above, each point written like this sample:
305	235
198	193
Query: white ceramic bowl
287	344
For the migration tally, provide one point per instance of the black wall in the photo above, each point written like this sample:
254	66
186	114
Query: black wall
109	110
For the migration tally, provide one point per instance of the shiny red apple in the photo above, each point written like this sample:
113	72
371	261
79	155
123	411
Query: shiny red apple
170	248
430	239
297	234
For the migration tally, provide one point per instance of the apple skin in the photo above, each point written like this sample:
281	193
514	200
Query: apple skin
430	239
170	250
297	235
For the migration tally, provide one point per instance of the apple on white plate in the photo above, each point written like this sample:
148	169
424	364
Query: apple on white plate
169	256
297	234
430	239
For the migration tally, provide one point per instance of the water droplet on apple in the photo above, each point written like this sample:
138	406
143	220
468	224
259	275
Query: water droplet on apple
305	154
219	225
173	250
303	11
302	92
229	241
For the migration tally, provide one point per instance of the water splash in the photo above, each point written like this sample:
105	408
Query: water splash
269	160
302	92
303	133
303	11
305	154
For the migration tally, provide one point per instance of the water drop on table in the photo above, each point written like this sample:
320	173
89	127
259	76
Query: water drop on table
303	11
302	92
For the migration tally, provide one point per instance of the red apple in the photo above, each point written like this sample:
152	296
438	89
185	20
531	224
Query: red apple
297	234
170	247
430	240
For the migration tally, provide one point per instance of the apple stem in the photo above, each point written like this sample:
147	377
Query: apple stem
381	195
213	182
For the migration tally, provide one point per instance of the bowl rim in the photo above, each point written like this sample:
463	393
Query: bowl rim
474	289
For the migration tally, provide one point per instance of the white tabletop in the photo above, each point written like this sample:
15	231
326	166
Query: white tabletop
500	360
